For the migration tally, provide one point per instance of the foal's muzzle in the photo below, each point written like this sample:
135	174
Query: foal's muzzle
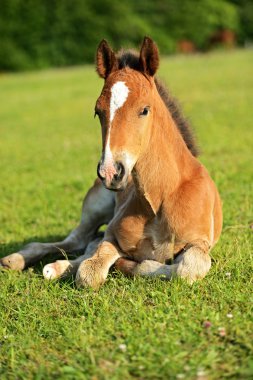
116	179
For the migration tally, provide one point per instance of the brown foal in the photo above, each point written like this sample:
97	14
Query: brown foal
162	206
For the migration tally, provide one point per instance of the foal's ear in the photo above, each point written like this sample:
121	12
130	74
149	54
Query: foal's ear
149	57
106	60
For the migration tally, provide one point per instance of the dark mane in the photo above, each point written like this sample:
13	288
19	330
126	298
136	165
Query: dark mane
131	59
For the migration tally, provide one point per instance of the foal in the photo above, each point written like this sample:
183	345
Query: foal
164	205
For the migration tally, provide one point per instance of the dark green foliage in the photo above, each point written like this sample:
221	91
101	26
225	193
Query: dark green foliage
41	33
246	15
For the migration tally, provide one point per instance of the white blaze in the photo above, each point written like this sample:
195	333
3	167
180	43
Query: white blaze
119	94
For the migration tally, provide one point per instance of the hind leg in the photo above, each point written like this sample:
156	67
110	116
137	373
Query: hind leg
34	252
98	209
65	268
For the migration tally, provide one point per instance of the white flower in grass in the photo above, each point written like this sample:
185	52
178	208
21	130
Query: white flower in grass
222	331
228	274
180	376
230	315
201	374
122	347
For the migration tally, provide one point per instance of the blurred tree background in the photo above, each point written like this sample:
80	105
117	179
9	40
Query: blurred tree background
43	33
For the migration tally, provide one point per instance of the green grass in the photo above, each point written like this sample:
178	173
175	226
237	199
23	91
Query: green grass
130	329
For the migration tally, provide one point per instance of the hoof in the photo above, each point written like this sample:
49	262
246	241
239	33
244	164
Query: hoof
56	270
90	274
194	265
50	272
15	261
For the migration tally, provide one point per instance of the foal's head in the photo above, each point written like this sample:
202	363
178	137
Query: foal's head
125	110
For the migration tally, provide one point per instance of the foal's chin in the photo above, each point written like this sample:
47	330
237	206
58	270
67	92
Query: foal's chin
116	186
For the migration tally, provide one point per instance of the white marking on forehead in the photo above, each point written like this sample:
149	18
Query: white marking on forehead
119	95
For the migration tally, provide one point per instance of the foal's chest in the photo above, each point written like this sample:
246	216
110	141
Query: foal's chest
140	236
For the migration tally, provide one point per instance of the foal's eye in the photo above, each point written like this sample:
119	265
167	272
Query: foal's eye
145	111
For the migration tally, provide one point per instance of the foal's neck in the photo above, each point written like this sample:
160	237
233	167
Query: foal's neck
166	161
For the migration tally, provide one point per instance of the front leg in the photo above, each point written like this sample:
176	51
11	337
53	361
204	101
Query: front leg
195	262
192	264
93	272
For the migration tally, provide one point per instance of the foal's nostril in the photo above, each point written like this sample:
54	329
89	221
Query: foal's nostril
120	171
98	171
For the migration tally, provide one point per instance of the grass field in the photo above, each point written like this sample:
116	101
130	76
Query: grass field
130	329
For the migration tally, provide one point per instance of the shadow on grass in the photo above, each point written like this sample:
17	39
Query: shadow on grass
37	268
